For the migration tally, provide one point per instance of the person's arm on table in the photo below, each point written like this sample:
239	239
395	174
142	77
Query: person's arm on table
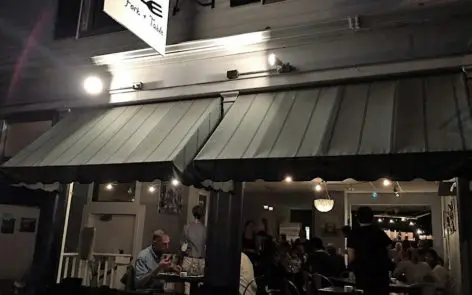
144	275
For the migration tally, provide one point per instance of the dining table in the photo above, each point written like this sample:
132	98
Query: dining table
394	287
194	281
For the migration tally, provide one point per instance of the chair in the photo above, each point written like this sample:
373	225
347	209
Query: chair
317	281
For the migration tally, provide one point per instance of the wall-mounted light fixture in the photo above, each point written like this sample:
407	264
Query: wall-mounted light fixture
93	85
278	64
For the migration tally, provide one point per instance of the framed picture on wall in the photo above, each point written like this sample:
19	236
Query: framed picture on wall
27	225
8	224
171	199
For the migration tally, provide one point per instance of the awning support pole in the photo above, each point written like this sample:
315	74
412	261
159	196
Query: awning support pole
68	195
223	246
464	203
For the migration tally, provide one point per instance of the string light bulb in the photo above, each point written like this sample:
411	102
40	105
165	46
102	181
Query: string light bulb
175	182
152	189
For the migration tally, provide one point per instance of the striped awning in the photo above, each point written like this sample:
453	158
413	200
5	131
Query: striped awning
400	128
129	143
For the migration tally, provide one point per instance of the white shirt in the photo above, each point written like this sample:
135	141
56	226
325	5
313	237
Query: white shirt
441	276
246	277
414	273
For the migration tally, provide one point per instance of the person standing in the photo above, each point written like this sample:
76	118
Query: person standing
368	254
194	243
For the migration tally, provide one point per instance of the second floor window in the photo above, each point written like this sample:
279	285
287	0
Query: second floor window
81	18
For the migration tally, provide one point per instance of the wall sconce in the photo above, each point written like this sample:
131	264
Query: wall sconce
280	66
138	86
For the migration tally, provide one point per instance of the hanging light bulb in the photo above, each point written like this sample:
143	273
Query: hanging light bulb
386	182
266	207
175	182
271	208
152	189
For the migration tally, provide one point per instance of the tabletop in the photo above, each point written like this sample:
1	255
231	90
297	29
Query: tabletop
177	278
336	291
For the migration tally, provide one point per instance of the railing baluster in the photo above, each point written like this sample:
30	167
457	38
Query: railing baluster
105	272
112	278
74	265
65	270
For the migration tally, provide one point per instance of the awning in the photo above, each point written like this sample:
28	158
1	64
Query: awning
130	143
401	128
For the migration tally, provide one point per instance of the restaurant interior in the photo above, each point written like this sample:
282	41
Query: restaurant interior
111	223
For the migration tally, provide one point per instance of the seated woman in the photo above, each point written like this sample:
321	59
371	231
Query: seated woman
413	267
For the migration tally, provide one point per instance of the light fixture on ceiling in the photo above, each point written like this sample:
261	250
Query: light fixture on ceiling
271	208
403	219
323	205
266	207
175	182
109	186
278	64
152	189
419	231
392	221
380	220
288	179
93	85
412	223
386	182
318	187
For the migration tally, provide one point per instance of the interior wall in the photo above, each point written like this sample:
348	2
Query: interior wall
283	202
171	224
17	249
452	257
407	199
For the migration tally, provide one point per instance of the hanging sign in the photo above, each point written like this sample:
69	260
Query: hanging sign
147	19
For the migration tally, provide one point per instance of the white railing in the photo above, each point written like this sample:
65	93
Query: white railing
105	269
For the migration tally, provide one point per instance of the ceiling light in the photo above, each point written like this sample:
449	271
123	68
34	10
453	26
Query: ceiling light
271	208
419	231
380	220
273	60
93	85
152	189
412	223
318	187
403	219
109	186
386	182
175	182
266	207
392	221
323	205
288	179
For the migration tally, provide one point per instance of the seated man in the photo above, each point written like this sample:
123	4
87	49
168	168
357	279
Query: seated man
151	261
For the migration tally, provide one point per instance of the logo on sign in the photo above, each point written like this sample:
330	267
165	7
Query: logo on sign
145	18
154	7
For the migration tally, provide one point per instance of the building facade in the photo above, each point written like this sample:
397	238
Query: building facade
218	54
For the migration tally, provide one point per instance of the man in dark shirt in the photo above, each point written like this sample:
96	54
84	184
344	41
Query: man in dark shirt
318	260
368	251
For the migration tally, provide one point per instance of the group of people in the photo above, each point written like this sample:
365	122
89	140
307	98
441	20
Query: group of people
374	262
272	263
278	261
